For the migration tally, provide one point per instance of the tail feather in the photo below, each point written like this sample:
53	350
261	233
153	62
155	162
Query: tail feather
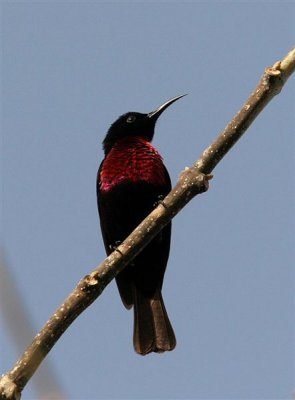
152	329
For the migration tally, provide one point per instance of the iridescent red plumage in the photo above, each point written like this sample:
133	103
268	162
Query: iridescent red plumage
132	159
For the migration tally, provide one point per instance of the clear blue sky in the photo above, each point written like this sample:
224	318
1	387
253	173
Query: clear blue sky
69	69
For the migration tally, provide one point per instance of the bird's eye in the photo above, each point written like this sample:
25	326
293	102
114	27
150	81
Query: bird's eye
131	118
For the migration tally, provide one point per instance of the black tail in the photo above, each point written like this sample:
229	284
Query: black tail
152	328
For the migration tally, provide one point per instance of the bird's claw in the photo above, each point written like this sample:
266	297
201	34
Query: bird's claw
114	247
160	200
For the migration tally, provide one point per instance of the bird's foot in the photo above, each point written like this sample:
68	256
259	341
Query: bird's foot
160	200
114	247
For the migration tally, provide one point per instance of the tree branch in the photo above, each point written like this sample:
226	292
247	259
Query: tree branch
193	181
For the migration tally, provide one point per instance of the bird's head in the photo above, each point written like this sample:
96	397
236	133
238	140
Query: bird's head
135	124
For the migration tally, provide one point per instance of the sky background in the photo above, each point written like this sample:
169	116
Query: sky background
69	69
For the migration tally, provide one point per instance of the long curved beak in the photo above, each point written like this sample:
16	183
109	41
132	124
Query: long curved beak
155	114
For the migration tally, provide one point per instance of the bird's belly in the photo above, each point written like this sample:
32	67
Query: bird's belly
122	209
126	205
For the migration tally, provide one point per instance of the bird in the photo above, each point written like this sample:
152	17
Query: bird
131	180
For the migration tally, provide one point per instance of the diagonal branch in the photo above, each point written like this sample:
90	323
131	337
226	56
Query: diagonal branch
193	181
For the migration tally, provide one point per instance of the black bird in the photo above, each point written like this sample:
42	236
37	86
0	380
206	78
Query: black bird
130	181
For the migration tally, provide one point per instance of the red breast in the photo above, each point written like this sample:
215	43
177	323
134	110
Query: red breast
132	159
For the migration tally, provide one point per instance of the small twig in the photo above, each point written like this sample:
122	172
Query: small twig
193	181
270	84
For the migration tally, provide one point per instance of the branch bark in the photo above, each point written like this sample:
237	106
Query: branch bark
192	181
